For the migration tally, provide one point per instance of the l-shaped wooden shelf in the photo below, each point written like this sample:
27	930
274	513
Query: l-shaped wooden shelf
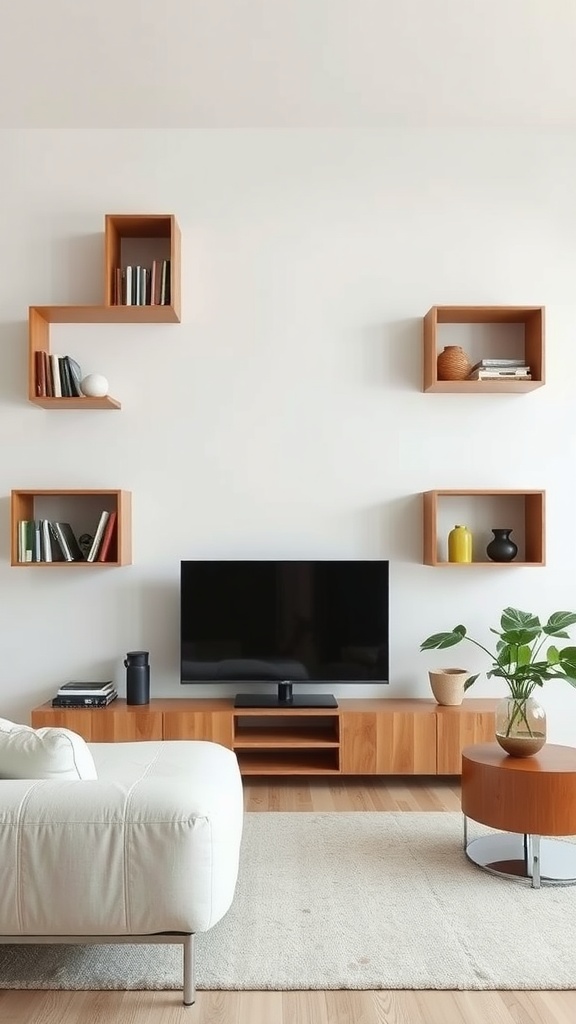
157	236
359	737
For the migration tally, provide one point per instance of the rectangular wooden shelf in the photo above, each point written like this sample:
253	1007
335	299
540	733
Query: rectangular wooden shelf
128	238
359	737
530	511
532	319
131	239
80	508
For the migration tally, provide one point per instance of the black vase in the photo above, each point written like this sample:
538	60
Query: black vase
501	548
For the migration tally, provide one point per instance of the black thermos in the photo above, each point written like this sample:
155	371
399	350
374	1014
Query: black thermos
137	677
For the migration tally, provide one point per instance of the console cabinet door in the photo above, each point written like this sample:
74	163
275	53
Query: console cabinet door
458	727
199	725
388	743
103	725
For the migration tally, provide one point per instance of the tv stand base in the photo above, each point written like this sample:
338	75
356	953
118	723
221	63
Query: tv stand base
272	700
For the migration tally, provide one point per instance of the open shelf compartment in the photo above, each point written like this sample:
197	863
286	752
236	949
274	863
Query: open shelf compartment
510	332
481	510
80	508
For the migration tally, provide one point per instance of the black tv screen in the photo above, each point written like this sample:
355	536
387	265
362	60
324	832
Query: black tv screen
284	622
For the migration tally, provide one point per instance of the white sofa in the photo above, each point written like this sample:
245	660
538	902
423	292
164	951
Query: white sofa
151	846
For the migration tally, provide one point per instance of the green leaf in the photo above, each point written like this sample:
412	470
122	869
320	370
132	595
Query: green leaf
568	658
513	618
439	641
520	636
497	672
553	655
524	655
470	682
558	623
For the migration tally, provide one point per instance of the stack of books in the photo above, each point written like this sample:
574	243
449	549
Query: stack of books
500	369
77	694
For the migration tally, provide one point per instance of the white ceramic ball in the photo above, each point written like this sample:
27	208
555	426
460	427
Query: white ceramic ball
94	386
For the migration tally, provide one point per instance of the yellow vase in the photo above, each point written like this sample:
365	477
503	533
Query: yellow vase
460	544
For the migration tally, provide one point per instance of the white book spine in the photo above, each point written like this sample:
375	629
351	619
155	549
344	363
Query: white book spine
98	537
55	365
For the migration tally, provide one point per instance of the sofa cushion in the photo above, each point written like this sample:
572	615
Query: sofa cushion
49	753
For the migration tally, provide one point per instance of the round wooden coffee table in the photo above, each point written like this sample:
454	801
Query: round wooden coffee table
526	797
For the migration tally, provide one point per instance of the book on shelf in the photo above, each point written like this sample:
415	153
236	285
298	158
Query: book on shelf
75	374
107	537
46	541
40	373
135	285
56	376
95	546
56	382
522	373
26	532
64	377
41	540
500	364
64	536
47	375
95	701
37	552
79	688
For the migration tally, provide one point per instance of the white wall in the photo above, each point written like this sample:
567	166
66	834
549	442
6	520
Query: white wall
284	416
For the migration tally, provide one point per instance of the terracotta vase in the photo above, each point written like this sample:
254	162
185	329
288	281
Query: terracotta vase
453	363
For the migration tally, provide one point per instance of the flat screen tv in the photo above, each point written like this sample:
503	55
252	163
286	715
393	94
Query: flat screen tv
284	622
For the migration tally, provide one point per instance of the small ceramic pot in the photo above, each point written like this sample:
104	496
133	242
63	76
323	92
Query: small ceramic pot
448	685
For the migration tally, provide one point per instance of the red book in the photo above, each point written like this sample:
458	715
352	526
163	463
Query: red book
40	373
107	537
48	375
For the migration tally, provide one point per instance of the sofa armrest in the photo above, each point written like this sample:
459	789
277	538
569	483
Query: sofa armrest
119	857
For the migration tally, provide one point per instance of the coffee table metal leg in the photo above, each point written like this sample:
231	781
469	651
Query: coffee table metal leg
515	855
535	850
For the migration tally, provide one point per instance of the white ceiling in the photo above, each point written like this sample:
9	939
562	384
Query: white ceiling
287	63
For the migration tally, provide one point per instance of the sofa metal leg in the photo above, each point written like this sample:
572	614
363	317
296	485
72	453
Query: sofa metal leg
189	992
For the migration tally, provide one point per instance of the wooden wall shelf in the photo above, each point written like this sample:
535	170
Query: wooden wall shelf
128	239
532	319
360	737
531	510
80	508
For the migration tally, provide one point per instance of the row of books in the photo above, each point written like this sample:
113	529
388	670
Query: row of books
500	369
143	286
46	540
78	694
56	376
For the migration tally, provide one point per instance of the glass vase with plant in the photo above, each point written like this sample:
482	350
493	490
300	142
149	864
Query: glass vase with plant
524	663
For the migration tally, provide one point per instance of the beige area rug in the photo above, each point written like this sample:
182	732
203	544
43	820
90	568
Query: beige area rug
345	901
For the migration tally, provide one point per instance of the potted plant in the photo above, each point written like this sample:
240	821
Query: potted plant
520	659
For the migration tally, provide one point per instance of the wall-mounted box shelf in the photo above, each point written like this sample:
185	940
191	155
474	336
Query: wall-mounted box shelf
128	240
80	508
526	321
481	510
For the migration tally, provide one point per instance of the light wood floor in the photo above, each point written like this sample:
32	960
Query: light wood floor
306	1007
